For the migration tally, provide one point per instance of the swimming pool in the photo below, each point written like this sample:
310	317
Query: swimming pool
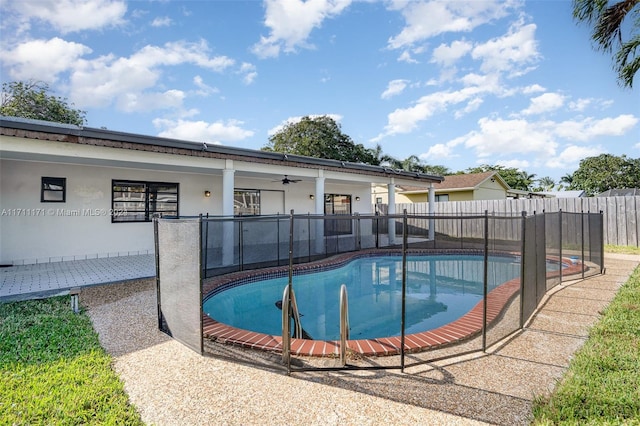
440	290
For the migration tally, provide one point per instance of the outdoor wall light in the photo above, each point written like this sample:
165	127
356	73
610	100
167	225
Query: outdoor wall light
312	197
207	194
357	198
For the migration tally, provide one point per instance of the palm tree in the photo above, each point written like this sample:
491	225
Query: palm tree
546	184
607	21
566	179
525	180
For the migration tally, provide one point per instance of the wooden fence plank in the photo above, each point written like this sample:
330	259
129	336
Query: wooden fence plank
621	214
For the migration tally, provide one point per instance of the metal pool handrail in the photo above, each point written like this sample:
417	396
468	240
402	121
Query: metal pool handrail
289	310
344	324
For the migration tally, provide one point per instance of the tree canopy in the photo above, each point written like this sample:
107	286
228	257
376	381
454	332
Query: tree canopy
606	171
607	21
32	100
319	137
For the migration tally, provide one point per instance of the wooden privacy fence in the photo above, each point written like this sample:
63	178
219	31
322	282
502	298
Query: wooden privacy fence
621	214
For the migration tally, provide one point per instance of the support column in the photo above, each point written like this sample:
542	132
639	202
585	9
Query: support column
432	211
319	224
227	211
391	211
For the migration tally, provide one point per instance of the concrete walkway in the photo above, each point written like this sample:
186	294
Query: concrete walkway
170	384
40	280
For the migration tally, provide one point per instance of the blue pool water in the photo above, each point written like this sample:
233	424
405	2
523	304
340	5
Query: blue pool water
440	289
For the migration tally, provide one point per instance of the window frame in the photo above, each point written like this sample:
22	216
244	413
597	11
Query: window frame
57	181
252	210
333	228
119	212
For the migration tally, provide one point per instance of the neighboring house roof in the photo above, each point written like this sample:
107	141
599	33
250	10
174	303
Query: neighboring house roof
464	182
626	192
44	130
565	194
519	193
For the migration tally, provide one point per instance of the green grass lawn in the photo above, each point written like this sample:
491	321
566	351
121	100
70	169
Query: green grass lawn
53	370
602	385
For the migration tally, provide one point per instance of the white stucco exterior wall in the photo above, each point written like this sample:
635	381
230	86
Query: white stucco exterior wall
35	232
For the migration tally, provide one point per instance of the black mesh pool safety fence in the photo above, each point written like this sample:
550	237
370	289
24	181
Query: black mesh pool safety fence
508	262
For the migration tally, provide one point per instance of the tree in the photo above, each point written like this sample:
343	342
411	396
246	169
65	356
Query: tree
566	181
545	184
606	171
319	137
607	20
515	178
413	164
32	100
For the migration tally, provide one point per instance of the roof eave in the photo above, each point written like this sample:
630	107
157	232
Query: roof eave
89	132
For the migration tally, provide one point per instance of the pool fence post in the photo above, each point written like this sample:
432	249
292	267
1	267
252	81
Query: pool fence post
157	246
582	241
560	244
485	278
201	285
286	351
601	228
523	253
404	286
358	241
205	246
308	238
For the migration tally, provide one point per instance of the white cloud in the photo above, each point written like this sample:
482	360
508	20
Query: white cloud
504	54
164	21
499	138
202	131
447	55
534	88
291	22
513	54
395	87
249	72
472	105
516	164
590	128
131	102
580	104
405	120
438	151
570	157
42	59
72	15
100	81
204	89
544	103
431	18
406	57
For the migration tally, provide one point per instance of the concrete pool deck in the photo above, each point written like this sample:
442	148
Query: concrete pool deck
170	384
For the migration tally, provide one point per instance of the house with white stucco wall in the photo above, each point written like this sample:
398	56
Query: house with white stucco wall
69	192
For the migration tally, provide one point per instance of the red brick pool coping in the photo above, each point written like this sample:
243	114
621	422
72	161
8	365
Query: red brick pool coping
465	327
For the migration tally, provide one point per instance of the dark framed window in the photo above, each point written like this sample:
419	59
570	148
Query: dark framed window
246	202
337	204
442	197
138	201
53	190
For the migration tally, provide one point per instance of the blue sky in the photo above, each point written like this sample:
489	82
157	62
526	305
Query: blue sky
457	83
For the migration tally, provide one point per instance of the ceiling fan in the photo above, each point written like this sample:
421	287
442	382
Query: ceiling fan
287	181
